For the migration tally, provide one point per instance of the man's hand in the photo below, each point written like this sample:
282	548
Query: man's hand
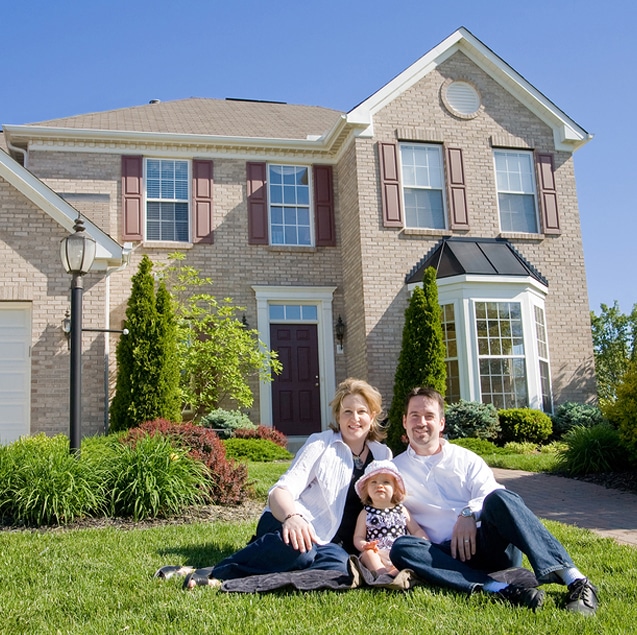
463	538
298	533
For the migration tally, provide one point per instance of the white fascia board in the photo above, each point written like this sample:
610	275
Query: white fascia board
24	134
109	253
568	134
477	286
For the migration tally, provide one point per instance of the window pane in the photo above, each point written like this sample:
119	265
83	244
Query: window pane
309	312
289	196
515	182
167	183
277	312
423	182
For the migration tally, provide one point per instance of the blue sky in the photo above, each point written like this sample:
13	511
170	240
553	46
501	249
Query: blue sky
67	58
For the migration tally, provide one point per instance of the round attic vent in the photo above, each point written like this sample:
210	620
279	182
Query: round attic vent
461	98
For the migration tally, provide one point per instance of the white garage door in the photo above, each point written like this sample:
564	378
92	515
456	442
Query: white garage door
15	370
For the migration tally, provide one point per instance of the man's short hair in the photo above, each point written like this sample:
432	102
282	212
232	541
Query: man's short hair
428	393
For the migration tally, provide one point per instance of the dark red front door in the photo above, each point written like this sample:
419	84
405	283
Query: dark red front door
296	407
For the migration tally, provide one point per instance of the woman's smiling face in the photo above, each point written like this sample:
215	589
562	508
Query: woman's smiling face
354	420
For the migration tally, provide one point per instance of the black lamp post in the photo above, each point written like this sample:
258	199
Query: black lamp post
78	253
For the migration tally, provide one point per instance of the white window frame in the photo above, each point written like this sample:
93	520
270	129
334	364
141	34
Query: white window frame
322	298
519	184
288	206
462	291
173	200
408	184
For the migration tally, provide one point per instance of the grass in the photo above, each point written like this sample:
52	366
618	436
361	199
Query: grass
99	581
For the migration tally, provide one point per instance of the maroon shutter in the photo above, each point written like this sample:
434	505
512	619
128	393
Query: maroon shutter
257	204
548	194
132	198
390	184
202	201
457	190
324	206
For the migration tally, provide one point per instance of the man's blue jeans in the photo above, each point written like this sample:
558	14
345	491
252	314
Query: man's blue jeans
267	553
507	527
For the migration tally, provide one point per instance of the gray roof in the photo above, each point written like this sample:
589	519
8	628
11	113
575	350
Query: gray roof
474	256
199	116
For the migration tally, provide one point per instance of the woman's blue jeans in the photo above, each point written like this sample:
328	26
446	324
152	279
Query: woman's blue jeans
267	553
507	527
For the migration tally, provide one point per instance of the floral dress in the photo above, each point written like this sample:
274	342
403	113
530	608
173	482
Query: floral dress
385	525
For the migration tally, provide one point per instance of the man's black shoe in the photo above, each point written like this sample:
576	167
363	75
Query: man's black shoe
582	597
517	576
518	596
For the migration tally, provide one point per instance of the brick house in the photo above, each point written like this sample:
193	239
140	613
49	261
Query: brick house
305	215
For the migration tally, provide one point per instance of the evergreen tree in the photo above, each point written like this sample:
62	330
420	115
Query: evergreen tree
169	366
422	356
142	378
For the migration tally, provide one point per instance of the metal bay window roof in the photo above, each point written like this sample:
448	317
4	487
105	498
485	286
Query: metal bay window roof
457	256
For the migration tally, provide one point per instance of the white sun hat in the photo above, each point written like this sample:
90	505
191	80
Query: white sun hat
381	467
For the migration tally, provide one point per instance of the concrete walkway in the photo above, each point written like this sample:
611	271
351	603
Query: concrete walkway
607	512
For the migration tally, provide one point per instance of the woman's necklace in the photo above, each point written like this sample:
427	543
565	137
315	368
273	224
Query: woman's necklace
358	462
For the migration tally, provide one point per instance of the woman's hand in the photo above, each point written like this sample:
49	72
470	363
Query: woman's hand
298	533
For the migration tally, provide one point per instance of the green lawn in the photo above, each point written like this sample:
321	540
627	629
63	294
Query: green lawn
101	581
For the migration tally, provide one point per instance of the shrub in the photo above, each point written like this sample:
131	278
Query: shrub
520	447
152	478
472	419
524	424
41	483
226	479
226	422
623	412
571	414
591	450
255	450
479	446
263	432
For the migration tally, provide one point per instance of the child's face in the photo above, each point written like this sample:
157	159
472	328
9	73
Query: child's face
380	489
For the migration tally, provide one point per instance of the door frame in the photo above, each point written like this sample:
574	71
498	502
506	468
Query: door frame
321	297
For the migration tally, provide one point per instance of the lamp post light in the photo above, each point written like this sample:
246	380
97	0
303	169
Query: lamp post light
77	252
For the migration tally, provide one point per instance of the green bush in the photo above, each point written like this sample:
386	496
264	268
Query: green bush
479	446
226	479
255	450
591	450
472	419
153	478
623	412
524	424
42	483
225	422
520	447
571	414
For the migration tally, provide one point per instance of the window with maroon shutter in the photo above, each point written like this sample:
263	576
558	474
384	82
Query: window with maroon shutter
257	204
457	189
202	181
548	194
324	206
390	184
132	198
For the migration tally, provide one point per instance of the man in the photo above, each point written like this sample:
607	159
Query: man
475	526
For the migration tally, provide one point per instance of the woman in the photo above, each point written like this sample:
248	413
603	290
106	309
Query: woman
312	509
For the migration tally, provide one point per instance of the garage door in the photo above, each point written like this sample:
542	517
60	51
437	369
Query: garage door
15	370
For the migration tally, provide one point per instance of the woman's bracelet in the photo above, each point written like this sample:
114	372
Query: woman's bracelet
295	514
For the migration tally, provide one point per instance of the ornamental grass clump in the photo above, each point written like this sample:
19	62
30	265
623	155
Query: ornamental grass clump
42	483
226	479
591	451
152	478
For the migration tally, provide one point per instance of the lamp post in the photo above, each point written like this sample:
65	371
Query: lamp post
77	252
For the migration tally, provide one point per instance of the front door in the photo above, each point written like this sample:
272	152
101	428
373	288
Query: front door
296	405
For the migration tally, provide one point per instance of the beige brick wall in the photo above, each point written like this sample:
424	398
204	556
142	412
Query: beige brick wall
32	272
391	254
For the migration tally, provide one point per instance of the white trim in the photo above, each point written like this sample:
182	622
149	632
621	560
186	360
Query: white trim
463	291
322	298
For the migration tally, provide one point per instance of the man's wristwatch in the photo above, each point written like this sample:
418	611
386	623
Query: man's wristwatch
467	513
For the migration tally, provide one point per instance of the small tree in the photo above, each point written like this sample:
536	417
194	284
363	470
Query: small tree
614	345
422	356
219	354
146	379
622	413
